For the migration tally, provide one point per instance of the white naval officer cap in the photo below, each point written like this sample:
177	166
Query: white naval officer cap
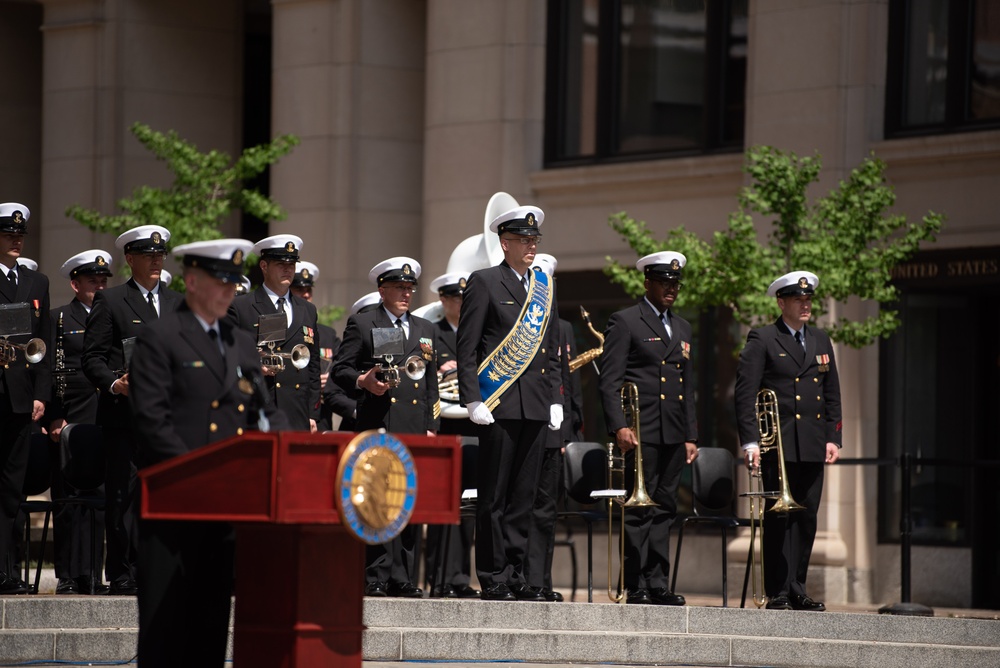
144	239
93	261
451	284
27	263
166	276
794	283
244	286
306	274
14	218
662	265
280	247
524	220
546	263
363	304
222	258
399	268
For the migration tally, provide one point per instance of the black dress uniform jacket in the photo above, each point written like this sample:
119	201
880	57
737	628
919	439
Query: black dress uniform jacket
805	382
294	391
410	408
24	382
491	305
79	403
117	313
636	350
186	394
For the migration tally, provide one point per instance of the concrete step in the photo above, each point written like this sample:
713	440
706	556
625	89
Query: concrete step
100	629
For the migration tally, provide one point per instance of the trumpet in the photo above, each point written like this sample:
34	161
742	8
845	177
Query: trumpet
615	494
414	367
769	427
587	356
275	362
34	350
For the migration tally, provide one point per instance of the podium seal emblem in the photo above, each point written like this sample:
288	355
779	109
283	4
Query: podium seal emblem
376	486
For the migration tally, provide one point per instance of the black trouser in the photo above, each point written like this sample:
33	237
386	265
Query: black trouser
185	585
72	530
510	454
393	562
788	537
121	493
647	530
15	429
542	538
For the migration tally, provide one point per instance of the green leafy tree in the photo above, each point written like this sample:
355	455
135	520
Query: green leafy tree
207	188
849	238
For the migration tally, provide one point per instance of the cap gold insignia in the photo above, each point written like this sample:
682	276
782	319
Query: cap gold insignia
406	269
803	282
238	257
246	387
305	273
290	247
155	236
461	283
18	217
530	219
674	264
100	261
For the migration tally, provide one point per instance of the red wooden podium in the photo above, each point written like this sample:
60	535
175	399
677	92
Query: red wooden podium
280	490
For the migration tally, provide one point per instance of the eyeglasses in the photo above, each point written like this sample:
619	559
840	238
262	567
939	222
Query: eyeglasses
526	241
669	285
402	287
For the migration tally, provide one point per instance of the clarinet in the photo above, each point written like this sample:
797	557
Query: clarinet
59	374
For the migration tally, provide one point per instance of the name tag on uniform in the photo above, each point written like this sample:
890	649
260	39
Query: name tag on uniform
782	355
137	322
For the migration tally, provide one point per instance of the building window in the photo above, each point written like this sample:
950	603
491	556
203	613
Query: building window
943	66
631	79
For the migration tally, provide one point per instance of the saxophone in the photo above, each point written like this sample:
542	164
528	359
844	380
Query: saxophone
59	372
587	356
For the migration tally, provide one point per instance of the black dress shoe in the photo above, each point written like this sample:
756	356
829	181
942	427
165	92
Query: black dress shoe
639	596
663	596
67	586
86	585
498	592
465	591
552	596
405	590
806	603
13	585
779	603
444	591
376	589
123	587
523	592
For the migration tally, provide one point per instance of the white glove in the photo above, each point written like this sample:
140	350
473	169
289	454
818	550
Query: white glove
555	416
479	413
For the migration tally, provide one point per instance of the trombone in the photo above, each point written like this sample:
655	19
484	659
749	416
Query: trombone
34	350
769	428
616	495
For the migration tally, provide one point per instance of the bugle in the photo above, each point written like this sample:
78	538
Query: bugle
769	428
615	493
275	362
34	350
587	356
414	367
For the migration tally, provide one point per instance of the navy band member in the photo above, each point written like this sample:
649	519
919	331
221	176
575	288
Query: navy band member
457	540
514	401
192	385
303	283
412	407
88	273
337	400
650	346
24	387
796	362
120	313
294	391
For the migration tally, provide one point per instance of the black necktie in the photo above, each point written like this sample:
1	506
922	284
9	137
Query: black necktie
399	322
798	339
665	319
524	282
281	304
152	306
214	335
12	277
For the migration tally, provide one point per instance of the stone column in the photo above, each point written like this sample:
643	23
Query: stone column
349	81
174	65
